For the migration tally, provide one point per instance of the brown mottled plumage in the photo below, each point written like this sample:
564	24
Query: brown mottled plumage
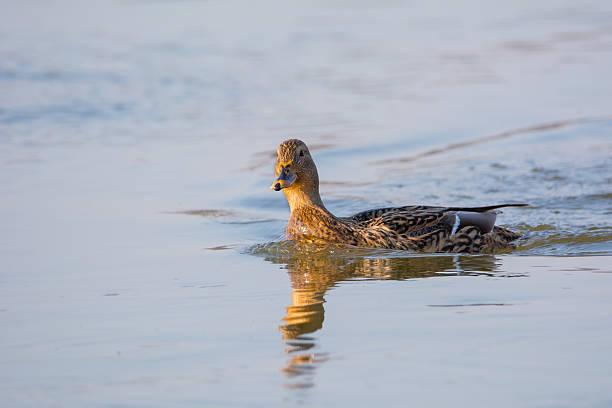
414	228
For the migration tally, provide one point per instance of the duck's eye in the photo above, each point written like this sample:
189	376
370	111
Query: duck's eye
301	153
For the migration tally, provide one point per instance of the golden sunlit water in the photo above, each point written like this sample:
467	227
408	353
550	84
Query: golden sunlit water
142	260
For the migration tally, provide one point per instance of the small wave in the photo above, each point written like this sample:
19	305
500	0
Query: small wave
547	241
208	213
304	248
310	262
541	239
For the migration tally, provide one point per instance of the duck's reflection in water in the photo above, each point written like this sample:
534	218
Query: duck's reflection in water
313	273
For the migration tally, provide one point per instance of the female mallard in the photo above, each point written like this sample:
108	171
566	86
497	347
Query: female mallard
415	228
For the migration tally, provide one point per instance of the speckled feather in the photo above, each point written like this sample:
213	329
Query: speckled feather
414	228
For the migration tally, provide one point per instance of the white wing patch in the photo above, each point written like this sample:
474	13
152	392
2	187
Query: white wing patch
456	225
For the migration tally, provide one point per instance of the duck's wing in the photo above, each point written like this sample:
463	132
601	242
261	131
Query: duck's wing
415	222
486	208
378	212
418	220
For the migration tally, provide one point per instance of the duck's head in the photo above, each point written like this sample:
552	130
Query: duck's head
294	167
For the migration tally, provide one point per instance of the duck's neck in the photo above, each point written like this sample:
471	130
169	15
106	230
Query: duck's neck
300	197
309	217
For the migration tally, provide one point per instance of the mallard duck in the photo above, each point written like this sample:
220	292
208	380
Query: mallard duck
414	228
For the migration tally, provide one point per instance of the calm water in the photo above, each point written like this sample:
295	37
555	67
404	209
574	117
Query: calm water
140	254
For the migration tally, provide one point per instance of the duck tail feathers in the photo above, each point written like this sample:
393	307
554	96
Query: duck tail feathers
487	208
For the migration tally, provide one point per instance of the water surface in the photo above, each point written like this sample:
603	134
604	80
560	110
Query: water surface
141	253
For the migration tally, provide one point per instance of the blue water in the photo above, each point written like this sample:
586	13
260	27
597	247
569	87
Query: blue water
141	261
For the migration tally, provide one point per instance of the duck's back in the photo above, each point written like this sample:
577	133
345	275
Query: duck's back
432	229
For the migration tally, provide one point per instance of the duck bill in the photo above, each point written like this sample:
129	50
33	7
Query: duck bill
286	179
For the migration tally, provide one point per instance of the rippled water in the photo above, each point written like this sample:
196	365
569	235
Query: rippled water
141	253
